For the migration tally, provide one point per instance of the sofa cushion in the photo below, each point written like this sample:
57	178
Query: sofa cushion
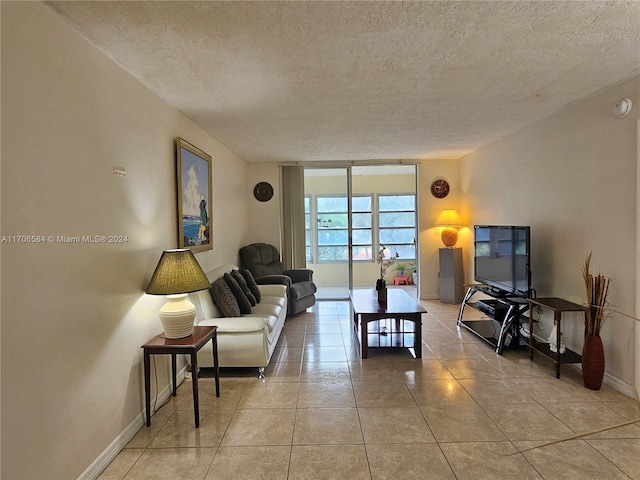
224	298
251	283
243	285
243	301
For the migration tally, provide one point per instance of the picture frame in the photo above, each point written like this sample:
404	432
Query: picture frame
194	194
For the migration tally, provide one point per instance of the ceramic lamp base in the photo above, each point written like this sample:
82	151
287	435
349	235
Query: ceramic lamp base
177	316
449	236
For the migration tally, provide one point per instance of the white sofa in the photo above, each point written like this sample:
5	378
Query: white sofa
248	340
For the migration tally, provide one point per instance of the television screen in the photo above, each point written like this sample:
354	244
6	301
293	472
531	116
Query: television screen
501	258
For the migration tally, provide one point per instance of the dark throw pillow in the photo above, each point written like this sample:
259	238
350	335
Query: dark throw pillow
251	283
224	298
243	285
243	301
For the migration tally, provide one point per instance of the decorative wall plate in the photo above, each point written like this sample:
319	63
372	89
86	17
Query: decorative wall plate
263	191
440	188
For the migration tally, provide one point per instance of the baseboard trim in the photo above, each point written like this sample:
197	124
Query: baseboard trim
106	457
613	382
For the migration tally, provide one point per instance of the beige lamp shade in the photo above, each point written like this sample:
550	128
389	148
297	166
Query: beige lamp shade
177	274
451	221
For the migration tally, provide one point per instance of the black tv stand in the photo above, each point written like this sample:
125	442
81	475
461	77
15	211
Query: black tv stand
505	314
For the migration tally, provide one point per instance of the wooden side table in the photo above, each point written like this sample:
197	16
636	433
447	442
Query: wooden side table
159	345
558	306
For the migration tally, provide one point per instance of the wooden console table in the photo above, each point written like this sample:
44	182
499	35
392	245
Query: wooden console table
558	306
159	345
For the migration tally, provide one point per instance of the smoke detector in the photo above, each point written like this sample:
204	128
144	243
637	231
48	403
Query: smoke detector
622	108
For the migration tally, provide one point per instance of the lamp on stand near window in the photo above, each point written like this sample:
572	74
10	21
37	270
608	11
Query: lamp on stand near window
177	274
450	221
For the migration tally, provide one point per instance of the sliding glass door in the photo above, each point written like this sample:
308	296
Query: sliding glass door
351	213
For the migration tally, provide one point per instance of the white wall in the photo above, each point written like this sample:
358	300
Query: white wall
572	178
74	315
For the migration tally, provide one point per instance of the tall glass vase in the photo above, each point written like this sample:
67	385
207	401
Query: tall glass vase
593	362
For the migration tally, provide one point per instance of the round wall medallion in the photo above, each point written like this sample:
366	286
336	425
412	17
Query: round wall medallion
263	192
440	188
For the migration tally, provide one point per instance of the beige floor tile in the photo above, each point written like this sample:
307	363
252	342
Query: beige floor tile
145	435
269	395
326	395
551	389
327	426
369	394
394	425
527	422
570	460
436	392
180	430
372	371
427	369
282	372
408	462
230	394
121	465
323	328
260	427
328	462
172	463
623	453
629	409
325	372
287	354
324	340
586	417
324	354
473	367
250	463
461	421
291	339
486	391
488	461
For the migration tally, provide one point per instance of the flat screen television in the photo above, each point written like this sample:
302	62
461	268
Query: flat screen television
502	258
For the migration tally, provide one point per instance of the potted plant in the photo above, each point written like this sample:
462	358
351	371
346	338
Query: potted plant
381	283
401	267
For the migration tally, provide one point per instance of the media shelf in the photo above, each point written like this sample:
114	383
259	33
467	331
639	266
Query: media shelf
505	312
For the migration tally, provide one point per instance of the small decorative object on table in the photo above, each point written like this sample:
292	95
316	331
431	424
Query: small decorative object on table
381	283
597	289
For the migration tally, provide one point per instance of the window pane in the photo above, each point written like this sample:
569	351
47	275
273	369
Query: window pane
362	237
361	220
361	204
332	254
362	253
397	202
406	252
332	237
332	204
397	235
332	220
398	219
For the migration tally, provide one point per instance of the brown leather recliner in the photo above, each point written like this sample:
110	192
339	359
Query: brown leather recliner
263	261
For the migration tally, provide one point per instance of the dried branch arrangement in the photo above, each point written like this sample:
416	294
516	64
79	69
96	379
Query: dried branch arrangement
597	289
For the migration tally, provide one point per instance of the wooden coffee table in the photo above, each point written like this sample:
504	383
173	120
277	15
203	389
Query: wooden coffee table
396	323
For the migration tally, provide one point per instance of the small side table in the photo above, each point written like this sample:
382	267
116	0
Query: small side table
558	306
159	345
400	280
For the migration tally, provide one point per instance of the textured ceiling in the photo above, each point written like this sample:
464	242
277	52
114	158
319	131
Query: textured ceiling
307	81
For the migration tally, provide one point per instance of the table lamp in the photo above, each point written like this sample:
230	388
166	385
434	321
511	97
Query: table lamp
451	221
176	275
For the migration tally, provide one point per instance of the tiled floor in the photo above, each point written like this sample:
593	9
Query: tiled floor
323	413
